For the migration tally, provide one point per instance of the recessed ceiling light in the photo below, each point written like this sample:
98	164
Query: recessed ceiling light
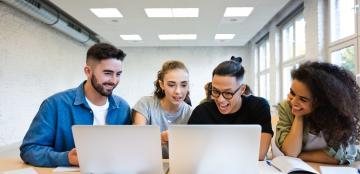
238	11
185	12
224	36
106	12
131	37
177	36
158	12
171	12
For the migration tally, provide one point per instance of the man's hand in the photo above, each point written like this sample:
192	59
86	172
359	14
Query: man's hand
164	137
72	156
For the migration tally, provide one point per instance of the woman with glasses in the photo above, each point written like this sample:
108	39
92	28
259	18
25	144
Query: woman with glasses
319	121
167	106
229	106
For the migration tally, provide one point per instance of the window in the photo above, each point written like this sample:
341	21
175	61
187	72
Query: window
345	57
344	37
263	71
342	18
293	39
293	49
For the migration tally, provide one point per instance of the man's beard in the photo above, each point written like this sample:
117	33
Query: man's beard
100	89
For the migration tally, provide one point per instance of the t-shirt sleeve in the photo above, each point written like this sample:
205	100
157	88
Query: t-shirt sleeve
186	115
143	107
284	124
262	110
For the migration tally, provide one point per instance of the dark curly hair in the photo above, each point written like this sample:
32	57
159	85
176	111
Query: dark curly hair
167	66
336	104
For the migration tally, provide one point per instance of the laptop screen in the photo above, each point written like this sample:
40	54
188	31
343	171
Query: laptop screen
118	149
205	149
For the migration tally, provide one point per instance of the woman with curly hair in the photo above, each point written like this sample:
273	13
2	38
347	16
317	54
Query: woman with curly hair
319	121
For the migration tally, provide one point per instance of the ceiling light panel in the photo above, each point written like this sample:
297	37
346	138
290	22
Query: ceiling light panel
185	12
224	36
238	11
131	37
158	12
177	36
106	12
171	12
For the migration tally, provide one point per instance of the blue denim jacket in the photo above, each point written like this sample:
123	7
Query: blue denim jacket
49	138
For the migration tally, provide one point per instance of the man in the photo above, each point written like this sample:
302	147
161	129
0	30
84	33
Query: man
49	140
229	106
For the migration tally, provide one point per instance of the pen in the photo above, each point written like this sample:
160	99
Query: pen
270	164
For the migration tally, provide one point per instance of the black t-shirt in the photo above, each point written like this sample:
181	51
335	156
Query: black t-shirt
254	110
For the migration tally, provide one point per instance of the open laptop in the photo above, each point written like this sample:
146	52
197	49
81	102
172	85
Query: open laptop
207	149
118	149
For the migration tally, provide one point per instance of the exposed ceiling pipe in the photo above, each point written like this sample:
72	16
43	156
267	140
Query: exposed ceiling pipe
49	15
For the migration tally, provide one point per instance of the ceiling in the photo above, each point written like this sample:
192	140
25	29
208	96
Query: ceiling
209	22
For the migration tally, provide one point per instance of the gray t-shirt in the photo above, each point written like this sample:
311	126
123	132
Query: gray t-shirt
150	108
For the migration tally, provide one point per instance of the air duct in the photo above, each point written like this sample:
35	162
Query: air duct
50	15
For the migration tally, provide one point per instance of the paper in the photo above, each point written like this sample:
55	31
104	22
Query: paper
267	169
21	171
66	169
290	164
337	170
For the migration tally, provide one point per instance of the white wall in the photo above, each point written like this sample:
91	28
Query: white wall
37	61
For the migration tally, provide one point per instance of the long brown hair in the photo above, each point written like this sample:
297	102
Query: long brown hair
166	67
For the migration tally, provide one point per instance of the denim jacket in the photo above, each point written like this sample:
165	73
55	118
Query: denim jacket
49	138
345	155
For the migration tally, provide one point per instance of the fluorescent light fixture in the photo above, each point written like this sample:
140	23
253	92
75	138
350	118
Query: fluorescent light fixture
238	11
185	12
224	36
131	37
171	12
158	12
177	36
106	12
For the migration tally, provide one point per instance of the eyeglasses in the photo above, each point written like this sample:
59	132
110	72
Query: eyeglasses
227	95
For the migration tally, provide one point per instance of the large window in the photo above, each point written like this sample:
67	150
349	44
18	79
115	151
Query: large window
293	49
344	34
342	19
263	70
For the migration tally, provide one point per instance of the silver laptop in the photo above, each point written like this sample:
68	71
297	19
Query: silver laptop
118	149
207	149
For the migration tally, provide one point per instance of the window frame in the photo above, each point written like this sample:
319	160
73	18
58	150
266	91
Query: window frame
294	60
351	40
264	41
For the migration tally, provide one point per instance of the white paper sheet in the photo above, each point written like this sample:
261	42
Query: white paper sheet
21	171
66	169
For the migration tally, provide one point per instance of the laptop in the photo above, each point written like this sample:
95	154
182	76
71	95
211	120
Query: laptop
207	149
118	149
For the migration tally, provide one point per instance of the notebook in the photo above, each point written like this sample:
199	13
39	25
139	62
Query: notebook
118	149
289	164
207	149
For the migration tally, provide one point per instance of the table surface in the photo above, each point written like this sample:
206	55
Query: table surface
7	164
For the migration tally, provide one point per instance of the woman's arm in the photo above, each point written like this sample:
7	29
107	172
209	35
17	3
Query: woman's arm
138	119
293	141
318	156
